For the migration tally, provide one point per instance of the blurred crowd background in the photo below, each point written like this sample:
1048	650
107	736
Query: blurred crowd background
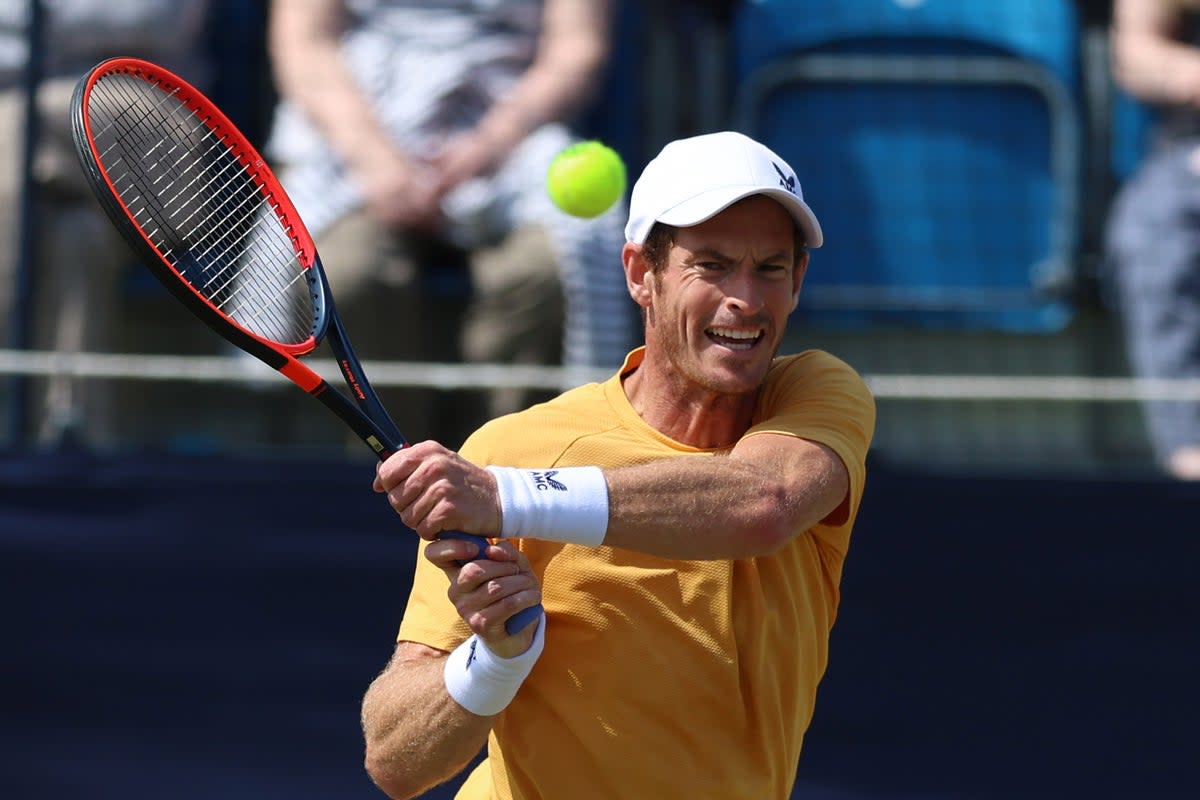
963	157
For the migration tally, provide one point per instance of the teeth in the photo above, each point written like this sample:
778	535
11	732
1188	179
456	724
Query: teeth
730	333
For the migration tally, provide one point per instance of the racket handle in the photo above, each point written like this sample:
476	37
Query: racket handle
517	621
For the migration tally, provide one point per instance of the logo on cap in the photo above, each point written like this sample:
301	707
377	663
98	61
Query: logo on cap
786	181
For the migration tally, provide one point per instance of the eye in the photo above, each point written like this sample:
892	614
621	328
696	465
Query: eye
775	269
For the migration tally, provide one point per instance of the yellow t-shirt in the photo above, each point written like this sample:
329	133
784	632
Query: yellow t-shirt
664	678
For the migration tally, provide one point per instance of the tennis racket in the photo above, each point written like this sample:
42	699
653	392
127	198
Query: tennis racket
207	216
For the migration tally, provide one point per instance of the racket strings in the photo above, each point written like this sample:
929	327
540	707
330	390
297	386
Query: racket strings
201	207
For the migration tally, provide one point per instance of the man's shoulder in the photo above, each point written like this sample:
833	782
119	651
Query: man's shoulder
810	362
588	398
816	375
542	431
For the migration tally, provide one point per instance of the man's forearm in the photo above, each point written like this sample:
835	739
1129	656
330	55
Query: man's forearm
416	735
716	508
768	490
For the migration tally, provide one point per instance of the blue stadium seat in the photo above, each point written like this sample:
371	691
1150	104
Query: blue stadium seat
940	143
1132	122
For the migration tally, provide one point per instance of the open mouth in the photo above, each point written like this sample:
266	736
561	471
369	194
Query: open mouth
735	339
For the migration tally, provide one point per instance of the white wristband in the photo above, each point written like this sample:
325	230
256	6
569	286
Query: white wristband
559	505
482	682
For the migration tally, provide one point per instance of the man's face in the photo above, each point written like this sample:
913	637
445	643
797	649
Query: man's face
718	309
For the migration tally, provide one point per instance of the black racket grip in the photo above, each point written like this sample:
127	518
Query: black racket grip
517	621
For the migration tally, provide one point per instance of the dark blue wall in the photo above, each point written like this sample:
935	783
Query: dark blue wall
197	628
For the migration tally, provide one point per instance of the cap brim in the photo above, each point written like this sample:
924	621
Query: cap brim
707	205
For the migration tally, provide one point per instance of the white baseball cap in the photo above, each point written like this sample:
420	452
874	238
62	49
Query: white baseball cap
696	178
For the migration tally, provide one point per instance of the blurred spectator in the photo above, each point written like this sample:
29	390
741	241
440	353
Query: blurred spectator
78	258
1094	12
1154	228
410	134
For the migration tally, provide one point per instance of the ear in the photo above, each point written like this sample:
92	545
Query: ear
639	278
798	278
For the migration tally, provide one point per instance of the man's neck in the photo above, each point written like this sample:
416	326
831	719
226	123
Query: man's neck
695	418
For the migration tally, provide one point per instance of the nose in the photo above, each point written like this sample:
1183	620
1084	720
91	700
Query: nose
742	292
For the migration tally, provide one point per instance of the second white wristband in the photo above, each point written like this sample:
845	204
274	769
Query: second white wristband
484	683
559	505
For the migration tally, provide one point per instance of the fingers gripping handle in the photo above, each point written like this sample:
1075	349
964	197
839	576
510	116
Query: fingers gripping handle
517	621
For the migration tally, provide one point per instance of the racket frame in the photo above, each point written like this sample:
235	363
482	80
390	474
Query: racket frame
365	415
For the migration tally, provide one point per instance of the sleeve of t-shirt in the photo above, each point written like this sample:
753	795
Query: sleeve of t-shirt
430	618
818	397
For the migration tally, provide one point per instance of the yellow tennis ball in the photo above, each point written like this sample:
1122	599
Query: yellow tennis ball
585	179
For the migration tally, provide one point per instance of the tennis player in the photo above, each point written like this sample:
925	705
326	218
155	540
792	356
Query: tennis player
684	524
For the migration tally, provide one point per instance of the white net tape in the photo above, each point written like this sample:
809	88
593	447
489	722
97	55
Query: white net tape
445	376
1031	387
244	369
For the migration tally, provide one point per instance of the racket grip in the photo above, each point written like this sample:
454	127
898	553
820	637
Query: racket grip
517	621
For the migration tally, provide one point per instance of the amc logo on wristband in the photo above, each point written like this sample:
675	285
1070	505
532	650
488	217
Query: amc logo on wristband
575	515
545	480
